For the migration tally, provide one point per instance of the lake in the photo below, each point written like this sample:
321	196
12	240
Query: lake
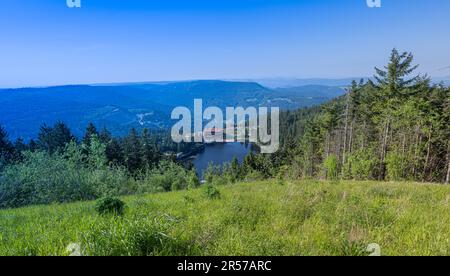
219	154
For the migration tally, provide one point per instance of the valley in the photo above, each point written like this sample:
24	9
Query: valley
124	106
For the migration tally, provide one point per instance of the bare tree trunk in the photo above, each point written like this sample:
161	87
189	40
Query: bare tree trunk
416	150
428	154
346	128
363	142
384	150
350	144
447	179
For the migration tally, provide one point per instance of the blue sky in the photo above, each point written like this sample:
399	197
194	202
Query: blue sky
42	42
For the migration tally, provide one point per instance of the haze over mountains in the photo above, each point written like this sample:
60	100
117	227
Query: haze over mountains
122	106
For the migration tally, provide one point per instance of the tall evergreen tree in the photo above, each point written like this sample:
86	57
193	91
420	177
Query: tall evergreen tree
115	153
150	152
105	136
133	151
6	148
394	78
91	130
54	139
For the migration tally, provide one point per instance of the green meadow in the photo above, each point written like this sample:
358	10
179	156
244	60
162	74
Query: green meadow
259	218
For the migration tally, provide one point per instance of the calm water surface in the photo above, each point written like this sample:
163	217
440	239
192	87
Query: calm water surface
219	154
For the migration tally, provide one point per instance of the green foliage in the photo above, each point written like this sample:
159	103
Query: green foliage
110	205
96	153
54	139
168	176
250	219
43	179
395	127
132	152
91	131
360	164
192	180
6	149
253	175
210	173
150	153
331	165
135	236
212	192
396	166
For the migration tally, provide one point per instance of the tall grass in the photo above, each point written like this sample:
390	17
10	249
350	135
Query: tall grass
259	218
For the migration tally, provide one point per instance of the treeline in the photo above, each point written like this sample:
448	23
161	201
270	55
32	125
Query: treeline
58	168
393	128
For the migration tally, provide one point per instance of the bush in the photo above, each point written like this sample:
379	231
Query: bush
210	173
360	164
396	166
212	192
192	180
110	205
44	179
254	176
167	177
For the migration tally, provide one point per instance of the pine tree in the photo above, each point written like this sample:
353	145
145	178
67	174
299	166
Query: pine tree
235	169
19	147
90	131
133	152
6	148
54	139
105	136
32	145
393	80
115	153
150	153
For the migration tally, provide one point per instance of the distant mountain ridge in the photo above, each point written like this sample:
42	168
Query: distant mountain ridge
123	106
341	82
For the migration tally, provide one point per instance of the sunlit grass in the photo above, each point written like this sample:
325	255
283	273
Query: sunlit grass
261	218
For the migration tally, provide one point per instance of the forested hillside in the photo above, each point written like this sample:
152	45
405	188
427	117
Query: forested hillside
394	128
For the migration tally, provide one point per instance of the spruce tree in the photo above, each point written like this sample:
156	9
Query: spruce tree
90	131
150	153
54	139
6	148
115	153
394	78
105	136
133	151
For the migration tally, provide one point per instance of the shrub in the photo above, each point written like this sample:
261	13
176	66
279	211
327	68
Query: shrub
360	164
254	176
110	205
212	192
168	176
396	166
192	180
210	173
331	165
